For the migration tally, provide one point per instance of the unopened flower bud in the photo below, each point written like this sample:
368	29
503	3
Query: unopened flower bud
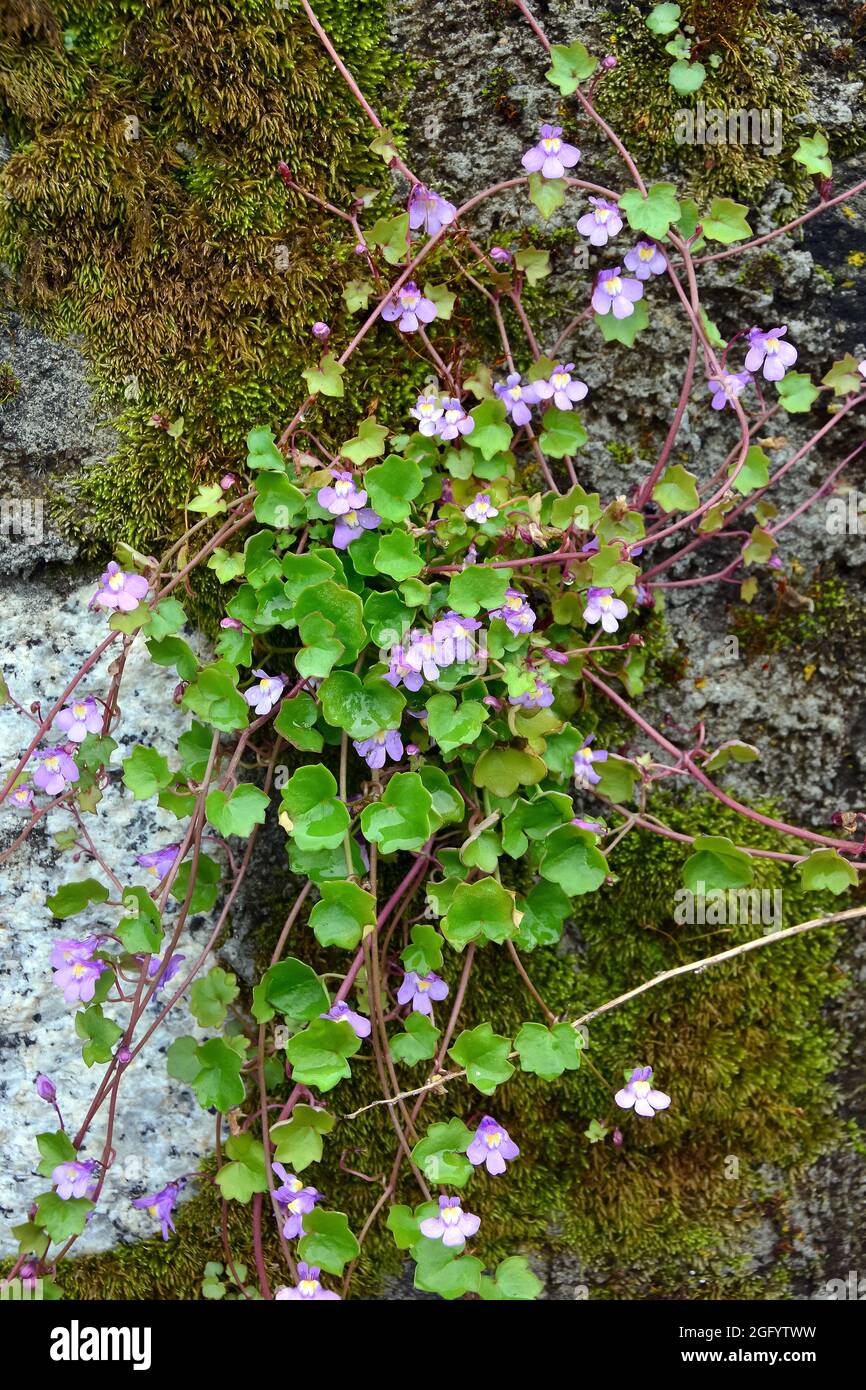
499	253
321	331
45	1088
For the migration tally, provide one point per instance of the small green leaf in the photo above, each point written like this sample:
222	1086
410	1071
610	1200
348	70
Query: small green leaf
441	1270
238	1180
55	1147
797	393
827	871
561	432
573	862
218	1081
547	194
401	818
686	77
141	929
513	1281
391	234
453	725
296	722
277	501
294	989
298	1140
363	709
844	376
491	434
318	1056
569	66
534	264
503	769
484	1055
62	1219
716	862
732	750
145	772
548	1052
726	222
425	951
812	153
392	485
319	819
327	1241
441	1154
624	331
356	294
676	490
368	443
478	587
326	379
238	813
417	1043
397	556
663	19
342	915
99	1034
481	909
75	897
654	213
210	997
754	473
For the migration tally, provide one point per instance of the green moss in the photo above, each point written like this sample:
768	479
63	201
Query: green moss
761	69
827	616
744	1050
144	210
9	383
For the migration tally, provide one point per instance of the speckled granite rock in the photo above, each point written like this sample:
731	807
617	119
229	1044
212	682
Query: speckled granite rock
161	1133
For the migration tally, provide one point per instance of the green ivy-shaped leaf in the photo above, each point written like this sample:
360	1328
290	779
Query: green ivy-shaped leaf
296	722
441	1154
482	909
245	1174
548	1052
397	556
363	709
826	871
572	861
343	913
326	379
327	1241
98	1032
453	725
503	769
561	433
812	153
298	1140
319	819
401	818
676	490
141	929
424	953
716	862
478	587
569	66
392	485
75	897
211	996
417	1043
548	195
294	989
797	393
484	1055
145	772
654	213
318	1056
491	433
218	1081
726	222
238	813
624	331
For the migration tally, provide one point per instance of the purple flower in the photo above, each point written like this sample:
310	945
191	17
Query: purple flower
22	795
410	307
499	253
161	1205
308	1287
491	1146
481	509
420	990
516	613
453	1226
45	1088
518	398
349	527
232	623
159	862
551	156
601	224
74	1178
769	350
400	670
565	388
428	410
321	331
595	826
79	719
454	420
265	694
726	390
297	1200
55	770
423	655
453	639
429	210
638	1093
76	970
163	972
119	590
386	743
584	773
341	1013
601	606
539	696
645	260
616	292
343	497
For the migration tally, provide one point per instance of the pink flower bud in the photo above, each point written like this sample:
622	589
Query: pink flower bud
45	1088
499	253
321	331
617	1138
609	61
123	1055
227	480
233	623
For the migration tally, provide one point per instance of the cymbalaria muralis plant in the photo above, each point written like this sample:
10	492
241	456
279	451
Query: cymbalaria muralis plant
442	625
